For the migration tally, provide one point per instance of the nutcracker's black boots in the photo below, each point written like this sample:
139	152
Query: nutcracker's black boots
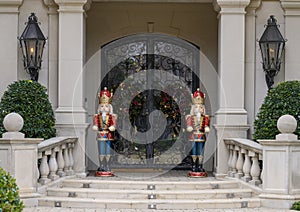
194	164
102	164
108	161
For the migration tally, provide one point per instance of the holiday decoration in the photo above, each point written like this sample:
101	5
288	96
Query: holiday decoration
105	125
198	125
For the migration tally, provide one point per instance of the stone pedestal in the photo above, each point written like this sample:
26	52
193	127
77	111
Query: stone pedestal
281	184
19	158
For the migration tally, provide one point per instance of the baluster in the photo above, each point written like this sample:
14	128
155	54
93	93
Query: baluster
44	169
53	167
239	163
260	157
71	160
38	175
61	162
229	160
67	160
246	166
233	161
255	171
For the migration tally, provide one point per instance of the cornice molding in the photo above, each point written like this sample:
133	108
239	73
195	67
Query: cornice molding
290	4
10	6
11	2
291	7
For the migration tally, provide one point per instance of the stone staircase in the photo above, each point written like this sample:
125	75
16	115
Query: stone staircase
115	193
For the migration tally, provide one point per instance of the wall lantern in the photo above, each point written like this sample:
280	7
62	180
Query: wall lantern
32	42
272	46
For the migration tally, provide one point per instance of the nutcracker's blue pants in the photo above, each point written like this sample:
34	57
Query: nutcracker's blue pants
197	148
104	147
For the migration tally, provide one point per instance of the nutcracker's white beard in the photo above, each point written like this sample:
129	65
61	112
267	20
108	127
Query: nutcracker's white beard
110	107
103	115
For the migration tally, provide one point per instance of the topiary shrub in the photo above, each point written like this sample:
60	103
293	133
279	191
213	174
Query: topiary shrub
30	100
296	206
9	194
281	100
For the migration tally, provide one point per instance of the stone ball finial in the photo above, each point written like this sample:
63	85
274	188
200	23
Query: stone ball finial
287	124
13	122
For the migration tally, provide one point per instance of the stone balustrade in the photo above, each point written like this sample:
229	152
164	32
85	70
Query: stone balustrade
244	160
55	158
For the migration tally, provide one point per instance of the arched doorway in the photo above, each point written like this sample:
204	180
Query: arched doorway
153	59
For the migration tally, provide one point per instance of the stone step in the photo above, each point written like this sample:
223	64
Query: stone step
146	194
144	185
179	204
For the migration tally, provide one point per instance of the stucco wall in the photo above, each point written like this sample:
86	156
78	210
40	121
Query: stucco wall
40	11
266	9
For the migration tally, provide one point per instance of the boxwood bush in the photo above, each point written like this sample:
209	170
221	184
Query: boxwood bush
281	100
9	194
296	206
30	100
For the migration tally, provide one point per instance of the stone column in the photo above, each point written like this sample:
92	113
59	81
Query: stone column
250	62
70	114
9	11
18	156
292	28
281	185
53	52
231	117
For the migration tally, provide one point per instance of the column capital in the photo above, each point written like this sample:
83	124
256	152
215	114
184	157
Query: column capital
10	6
291	7
232	6
71	5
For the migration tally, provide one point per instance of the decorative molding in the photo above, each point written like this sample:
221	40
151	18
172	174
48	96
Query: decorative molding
231	6
72	6
10	6
217	8
156	1
52	6
233	3
87	6
291	7
251	8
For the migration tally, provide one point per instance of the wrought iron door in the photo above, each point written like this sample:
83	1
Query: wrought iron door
151	58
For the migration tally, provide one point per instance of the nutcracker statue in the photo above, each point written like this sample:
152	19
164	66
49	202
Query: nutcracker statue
104	124
198	125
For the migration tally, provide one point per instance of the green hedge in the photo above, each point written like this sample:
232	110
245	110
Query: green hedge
9	194
296	206
30	100
281	100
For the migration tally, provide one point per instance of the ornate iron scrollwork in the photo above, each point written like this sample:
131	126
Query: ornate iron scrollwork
136	54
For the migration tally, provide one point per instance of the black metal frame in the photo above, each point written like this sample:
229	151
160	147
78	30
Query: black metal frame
148	54
32	42
272	45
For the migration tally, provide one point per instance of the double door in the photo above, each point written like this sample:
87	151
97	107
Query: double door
152	76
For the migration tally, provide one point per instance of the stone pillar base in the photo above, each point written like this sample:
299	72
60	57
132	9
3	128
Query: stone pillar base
278	200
